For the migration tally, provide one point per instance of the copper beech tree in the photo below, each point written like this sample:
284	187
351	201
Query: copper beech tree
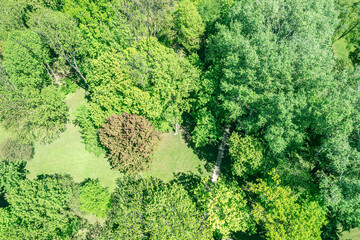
130	140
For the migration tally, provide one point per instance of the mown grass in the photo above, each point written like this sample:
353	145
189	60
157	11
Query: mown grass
173	156
353	234
342	49
67	154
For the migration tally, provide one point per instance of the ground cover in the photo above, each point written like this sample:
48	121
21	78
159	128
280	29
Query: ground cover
67	154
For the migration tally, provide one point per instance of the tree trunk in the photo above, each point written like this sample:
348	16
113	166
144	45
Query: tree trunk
220	156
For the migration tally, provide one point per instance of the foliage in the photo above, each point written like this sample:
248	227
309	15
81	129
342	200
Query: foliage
146	18
60	33
188	27
246	153
24	111
11	174
130	140
94	198
148	79
148	208
101	28
283	214
39	209
88	130
25	59
12	149
225	207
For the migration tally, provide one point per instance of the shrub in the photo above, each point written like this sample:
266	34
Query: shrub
94	198
88	130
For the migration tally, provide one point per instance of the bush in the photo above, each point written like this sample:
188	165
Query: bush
94	198
88	130
130	140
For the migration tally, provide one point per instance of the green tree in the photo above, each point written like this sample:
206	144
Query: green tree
12	149
147	208
35	114
39	209
130	140
225	207
188	27
101	27
283	214
61	34
26	59
148	79
246	152
94	198
146	18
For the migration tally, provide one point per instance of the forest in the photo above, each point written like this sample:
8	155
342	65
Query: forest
179	119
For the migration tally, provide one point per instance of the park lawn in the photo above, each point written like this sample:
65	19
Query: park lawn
353	234
173	156
67	154
341	48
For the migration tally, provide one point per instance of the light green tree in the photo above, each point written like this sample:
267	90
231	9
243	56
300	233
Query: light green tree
225	207
283	214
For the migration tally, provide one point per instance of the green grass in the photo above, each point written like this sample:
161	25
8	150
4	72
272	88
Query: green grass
341	48
67	154
353	234
172	156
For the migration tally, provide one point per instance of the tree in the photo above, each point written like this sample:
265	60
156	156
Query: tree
283	214
225	207
146	18
272	74
26	59
102	29
148	79
246	152
94	198
61	34
36	114
130	140
188	27
39	209
147	208
12	149
11	174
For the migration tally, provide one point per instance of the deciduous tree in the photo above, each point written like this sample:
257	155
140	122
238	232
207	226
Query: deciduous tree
130	140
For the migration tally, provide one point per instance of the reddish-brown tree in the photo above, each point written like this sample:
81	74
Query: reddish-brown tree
130	140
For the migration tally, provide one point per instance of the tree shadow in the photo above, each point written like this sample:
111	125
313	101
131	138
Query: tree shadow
207	153
189	181
3	202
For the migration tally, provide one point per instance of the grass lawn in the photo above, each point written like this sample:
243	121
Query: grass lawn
341	49
354	234
172	156
67	154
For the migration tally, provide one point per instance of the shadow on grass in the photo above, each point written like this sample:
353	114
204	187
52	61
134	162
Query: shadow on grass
207	153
